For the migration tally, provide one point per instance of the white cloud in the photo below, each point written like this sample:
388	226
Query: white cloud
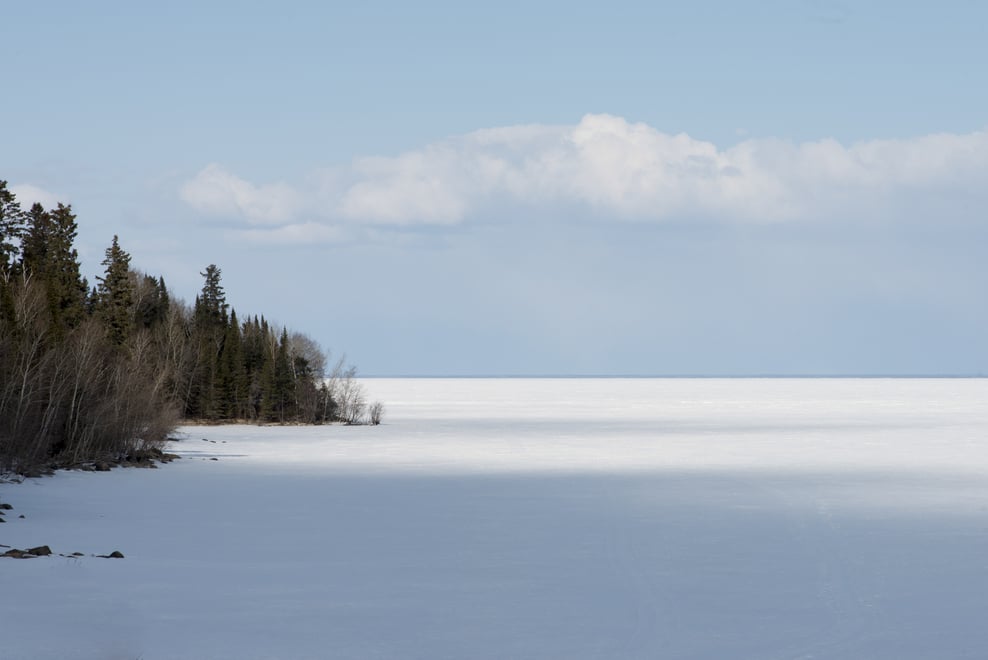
425	186
617	170
215	191
28	195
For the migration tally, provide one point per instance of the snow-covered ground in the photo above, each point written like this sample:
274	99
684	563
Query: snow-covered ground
721	519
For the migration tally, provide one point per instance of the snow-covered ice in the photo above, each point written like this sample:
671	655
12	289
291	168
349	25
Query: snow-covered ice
595	518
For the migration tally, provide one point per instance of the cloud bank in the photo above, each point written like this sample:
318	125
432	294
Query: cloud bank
611	168
215	191
28	194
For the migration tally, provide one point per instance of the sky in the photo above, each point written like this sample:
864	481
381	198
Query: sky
792	187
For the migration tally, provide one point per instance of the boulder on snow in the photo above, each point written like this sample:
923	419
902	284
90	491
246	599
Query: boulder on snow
41	551
116	554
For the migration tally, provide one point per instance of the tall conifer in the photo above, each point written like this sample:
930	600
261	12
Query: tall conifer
116	294
11	226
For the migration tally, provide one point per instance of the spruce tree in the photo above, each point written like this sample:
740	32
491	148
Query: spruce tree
231	376
37	236
284	383
151	308
11	227
11	230
209	329
116	294
67	288
212	300
48	257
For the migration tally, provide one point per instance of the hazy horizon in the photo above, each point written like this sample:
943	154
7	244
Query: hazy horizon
675	376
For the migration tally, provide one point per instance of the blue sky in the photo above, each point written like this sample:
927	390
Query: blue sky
533	187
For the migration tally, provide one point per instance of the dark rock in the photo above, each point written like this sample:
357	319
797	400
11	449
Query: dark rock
14	553
41	551
2	520
5	507
116	554
78	554
22	516
214	459
101	467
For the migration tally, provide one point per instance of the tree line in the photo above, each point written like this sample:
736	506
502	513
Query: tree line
106	372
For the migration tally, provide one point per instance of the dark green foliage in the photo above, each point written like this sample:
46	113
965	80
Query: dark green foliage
35	238
104	373
115	301
48	257
231	380
279	391
152	302
210	311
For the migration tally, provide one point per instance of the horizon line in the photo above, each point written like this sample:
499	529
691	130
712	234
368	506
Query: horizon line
677	376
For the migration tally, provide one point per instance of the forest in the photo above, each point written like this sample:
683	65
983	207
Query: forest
105	372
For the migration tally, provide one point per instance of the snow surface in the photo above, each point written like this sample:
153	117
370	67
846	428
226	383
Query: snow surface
742	519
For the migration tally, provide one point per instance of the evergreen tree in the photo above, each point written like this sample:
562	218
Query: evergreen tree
256	356
48	256
277	383
11	226
67	288
151	308
11	230
116	294
164	300
231	373
210	324
211	311
37	236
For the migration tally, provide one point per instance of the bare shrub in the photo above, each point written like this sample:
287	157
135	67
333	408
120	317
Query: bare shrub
375	412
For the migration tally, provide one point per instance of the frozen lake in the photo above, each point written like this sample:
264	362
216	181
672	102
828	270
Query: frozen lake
574	518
